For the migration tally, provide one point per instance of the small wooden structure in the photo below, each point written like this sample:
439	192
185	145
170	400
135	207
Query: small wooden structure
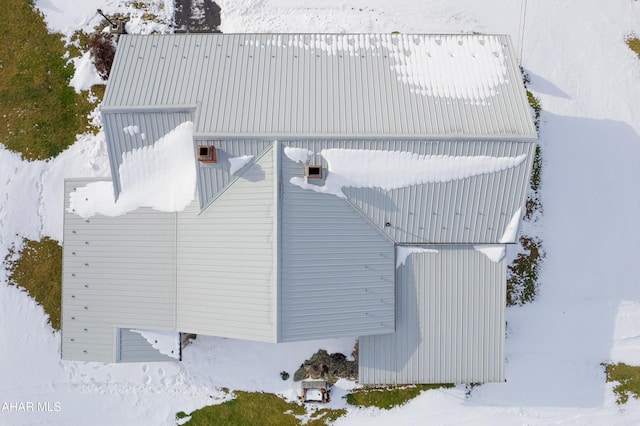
315	390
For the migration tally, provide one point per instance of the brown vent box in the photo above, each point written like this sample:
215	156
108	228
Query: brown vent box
313	172
207	154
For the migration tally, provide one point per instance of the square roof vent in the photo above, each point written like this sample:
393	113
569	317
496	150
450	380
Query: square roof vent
313	172
207	154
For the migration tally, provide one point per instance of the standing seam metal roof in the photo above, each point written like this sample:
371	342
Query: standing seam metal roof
450	307
319	84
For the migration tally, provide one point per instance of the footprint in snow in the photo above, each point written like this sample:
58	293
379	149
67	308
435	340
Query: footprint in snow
160	372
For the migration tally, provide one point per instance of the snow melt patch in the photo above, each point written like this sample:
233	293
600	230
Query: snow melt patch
509	235
165	342
85	74
430	65
236	163
394	169
403	252
495	252
298	155
161	176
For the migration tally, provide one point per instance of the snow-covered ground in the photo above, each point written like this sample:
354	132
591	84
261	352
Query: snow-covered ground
588	309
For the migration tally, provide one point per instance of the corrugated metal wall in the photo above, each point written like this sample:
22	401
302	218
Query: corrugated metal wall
226	260
337	270
117	272
212	178
318	84
450	322
152	126
135	348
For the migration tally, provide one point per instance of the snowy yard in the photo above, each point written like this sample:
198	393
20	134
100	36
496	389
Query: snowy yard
588	308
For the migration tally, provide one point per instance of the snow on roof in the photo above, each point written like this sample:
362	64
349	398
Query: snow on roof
236	163
161	176
495	252
393	169
430	65
403	252
511	230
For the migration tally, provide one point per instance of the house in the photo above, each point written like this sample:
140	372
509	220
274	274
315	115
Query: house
347	185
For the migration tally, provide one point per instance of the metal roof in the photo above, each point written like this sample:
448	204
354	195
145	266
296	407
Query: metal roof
226	276
321	266
136	129
336	269
476	209
118	272
450	322
372	85
213	178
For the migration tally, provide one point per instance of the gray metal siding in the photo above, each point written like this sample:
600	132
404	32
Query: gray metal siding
450	322
135	348
154	125
266	84
226	274
214	177
337	271
117	272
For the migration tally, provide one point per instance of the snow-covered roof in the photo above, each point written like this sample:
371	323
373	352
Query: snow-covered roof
268	254
314	84
257	86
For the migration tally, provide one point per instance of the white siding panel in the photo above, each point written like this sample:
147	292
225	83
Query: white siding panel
226	275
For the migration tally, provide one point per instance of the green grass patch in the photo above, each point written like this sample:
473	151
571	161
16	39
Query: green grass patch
257	408
535	105
37	268
634	44
40	113
388	398
627	379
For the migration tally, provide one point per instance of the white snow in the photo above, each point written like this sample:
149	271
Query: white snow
85	75
236	163
495	252
161	176
67	16
438	74
429	65
589	301
403	252
131	130
393	169
298	155
511	231
166	342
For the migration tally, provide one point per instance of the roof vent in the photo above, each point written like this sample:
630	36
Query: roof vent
313	172
207	154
